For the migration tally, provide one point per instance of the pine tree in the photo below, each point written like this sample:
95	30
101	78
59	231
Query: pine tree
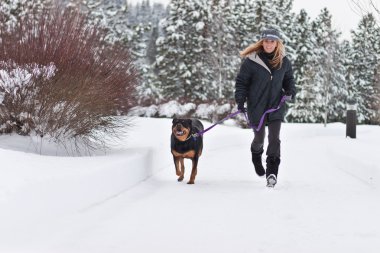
265	16
285	20
169	47
328	79
225	59
144	21
109	14
347	52
365	61
304	72
183	61
158	12
339	84
242	21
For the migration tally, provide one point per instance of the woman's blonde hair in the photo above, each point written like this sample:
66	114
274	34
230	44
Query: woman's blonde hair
257	47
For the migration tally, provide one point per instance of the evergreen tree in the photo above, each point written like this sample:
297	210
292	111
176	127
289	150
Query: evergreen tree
158	12
339	85
144	21
304	72
109	14
347	52
183	61
242	20
365	61
285	20
328	78
225	60
169	46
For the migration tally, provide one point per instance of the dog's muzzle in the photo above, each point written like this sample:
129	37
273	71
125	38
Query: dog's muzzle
179	131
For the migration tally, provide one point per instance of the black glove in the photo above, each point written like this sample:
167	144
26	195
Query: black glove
241	108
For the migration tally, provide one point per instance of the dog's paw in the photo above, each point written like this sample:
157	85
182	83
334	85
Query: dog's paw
190	182
180	179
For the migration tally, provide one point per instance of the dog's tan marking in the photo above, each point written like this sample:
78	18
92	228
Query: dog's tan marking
177	166
182	175
190	154
193	174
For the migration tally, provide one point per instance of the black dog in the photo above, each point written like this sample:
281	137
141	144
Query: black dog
185	145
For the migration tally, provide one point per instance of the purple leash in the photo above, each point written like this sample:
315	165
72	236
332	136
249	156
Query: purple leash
283	99
220	121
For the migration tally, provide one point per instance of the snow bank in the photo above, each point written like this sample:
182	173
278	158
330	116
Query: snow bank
72	184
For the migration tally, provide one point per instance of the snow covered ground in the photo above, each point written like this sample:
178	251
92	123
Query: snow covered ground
128	200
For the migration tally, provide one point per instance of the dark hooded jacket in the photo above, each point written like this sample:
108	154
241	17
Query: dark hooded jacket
262	87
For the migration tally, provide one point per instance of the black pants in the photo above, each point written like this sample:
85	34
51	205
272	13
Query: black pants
274	144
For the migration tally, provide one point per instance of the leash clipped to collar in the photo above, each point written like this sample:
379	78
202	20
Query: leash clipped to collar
194	136
200	133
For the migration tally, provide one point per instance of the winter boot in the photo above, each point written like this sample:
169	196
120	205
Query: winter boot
256	160
272	170
271	180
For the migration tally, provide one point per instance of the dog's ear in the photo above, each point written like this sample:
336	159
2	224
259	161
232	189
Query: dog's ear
174	120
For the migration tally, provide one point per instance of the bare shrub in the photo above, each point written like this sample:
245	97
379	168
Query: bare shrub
60	79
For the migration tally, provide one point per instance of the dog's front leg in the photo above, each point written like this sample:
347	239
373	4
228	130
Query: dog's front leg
182	169
177	165
193	170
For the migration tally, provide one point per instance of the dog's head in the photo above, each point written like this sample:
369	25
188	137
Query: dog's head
181	128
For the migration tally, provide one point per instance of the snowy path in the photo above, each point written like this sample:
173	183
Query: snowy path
327	200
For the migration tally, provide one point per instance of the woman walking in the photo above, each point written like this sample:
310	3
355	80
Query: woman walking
265	76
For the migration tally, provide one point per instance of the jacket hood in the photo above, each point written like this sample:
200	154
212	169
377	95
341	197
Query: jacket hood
255	58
